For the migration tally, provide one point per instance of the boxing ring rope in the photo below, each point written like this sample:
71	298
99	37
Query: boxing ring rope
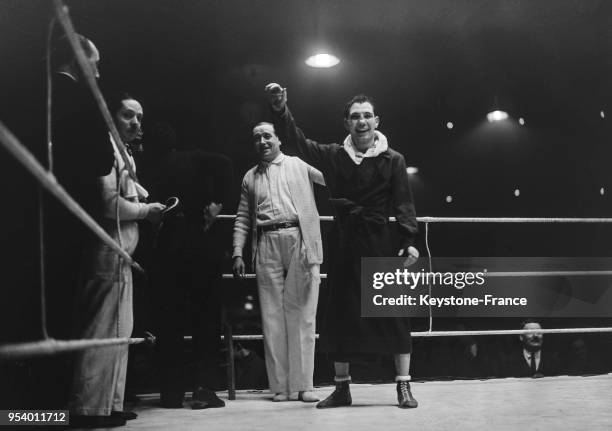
429	334
427	219
51	346
493	274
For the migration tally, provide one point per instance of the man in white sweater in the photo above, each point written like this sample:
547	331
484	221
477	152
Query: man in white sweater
104	302
278	211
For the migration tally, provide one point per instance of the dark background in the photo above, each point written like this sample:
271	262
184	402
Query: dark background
202	66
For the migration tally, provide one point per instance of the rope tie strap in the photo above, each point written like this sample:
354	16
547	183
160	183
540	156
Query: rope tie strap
356	213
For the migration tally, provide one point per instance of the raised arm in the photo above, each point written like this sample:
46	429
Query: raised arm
290	134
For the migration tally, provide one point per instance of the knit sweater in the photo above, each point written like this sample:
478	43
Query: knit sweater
300	177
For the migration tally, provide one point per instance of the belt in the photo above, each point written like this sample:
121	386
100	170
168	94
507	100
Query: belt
357	213
278	226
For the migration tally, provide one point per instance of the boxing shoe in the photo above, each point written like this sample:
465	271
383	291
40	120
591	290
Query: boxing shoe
204	398
405	400
339	398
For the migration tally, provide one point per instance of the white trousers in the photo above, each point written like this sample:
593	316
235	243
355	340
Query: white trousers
105	311
288	294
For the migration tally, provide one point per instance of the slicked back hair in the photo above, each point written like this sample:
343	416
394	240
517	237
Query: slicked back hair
360	98
115	101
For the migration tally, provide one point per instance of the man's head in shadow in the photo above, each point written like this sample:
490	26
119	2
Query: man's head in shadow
531	342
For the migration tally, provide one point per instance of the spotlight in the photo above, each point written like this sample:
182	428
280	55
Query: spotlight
411	170
517	192
602	114
322	61
449	199
602	191
521	121
497	116
449	125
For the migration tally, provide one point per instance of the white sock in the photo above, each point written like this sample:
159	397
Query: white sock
403	378
342	378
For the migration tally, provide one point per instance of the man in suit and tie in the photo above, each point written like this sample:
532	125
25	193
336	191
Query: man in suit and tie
277	210
531	361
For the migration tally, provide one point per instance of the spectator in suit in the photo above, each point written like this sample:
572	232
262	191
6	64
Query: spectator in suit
530	360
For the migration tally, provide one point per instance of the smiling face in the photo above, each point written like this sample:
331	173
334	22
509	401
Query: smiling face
128	120
361	124
267	144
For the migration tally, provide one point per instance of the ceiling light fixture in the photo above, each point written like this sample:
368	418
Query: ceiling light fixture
322	61
497	116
